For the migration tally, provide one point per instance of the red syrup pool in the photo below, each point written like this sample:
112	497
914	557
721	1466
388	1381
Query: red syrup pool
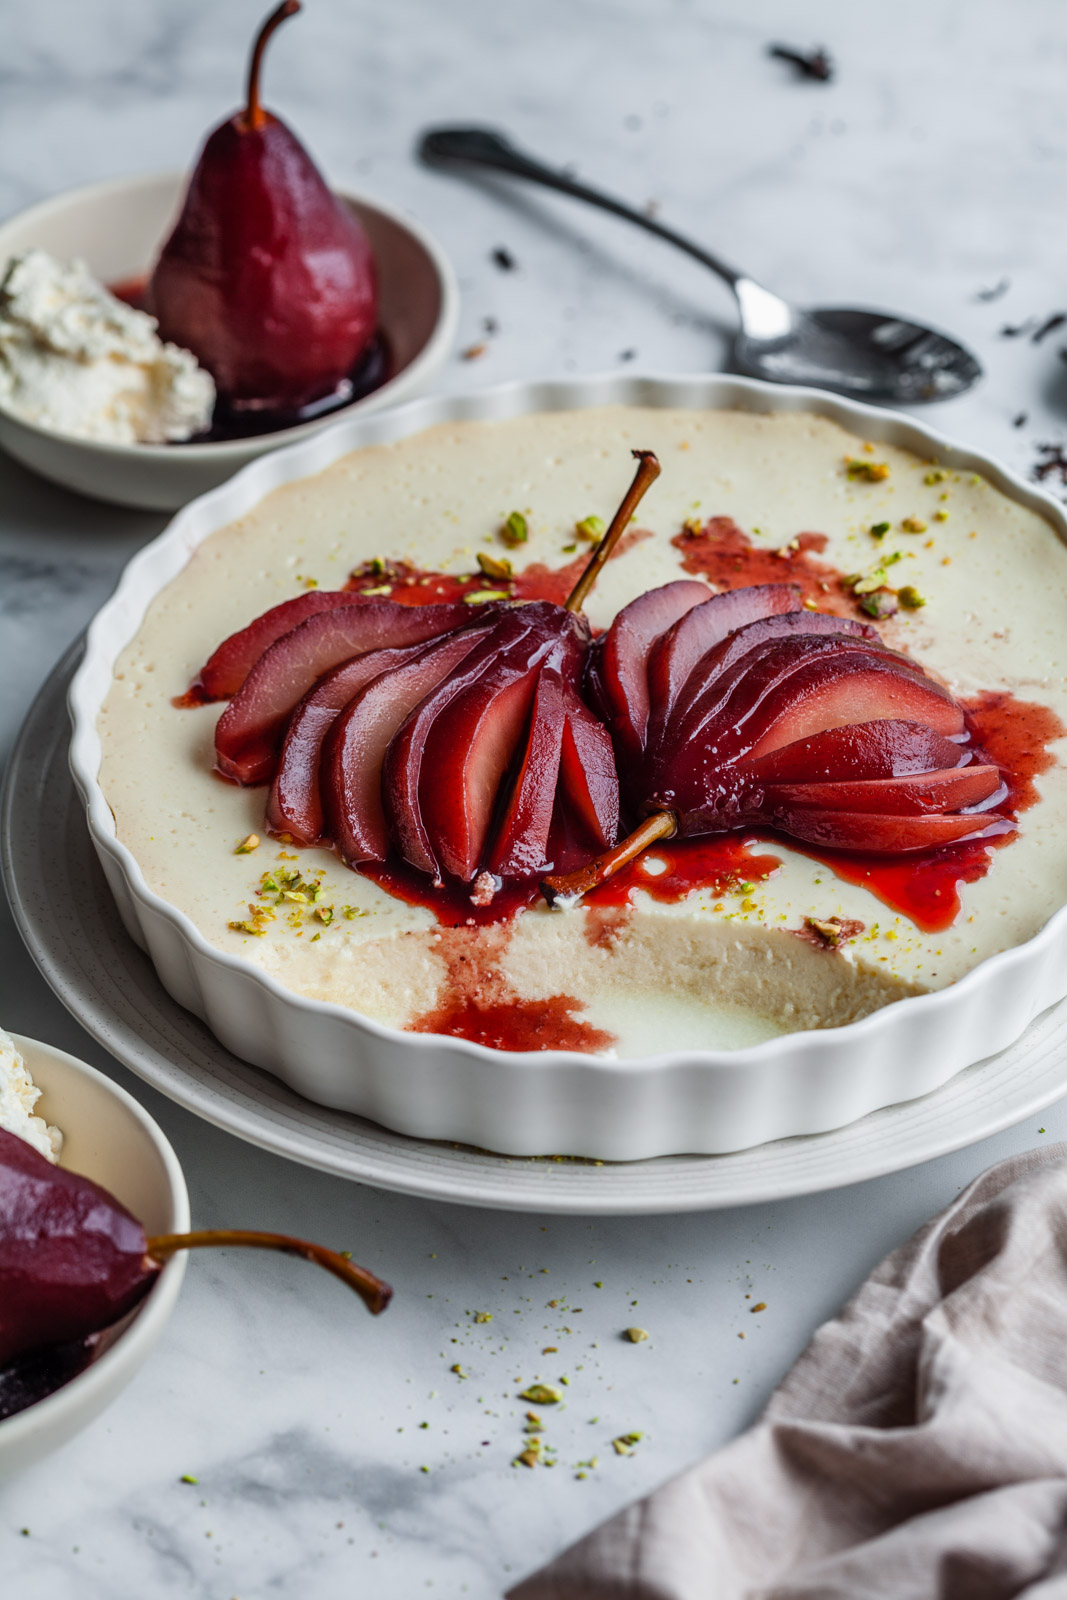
374	367
415	586
479	1003
724	554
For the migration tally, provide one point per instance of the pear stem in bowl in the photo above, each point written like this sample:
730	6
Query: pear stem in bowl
569	886
375	1294
648	470
255	116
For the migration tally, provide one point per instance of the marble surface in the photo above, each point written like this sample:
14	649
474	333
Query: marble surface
924	175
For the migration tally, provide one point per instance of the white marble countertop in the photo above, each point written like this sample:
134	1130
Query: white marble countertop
930	170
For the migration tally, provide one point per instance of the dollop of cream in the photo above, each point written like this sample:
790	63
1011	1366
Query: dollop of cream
78	361
18	1096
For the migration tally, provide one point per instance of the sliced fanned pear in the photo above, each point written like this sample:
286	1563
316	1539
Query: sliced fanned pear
731	661
472	744
621	667
886	748
954	789
227	667
675	653
402	770
249	734
520	847
588	775
354	746
874	833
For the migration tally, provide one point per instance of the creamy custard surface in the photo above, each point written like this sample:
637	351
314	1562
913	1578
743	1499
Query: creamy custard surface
718	971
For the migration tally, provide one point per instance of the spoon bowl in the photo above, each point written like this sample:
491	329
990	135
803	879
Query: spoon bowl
867	355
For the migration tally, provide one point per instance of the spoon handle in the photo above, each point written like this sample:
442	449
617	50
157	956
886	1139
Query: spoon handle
482	147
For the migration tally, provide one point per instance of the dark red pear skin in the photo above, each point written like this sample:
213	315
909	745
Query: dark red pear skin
726	663
877	834
267	277
295	807
620	669
520	848
250	732
403	765
885	748
676	653
226	668
72	1259
355	748
588	776
952	790
473	742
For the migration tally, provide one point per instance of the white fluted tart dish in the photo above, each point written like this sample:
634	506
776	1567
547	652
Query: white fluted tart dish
720	992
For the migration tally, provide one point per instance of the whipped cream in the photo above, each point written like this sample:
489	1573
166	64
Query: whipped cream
76	360
18	1096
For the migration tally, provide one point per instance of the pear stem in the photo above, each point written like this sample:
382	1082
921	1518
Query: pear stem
572	885
375	1294
255	116
648	470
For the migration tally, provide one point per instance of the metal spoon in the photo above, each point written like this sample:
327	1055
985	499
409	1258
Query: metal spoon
868	355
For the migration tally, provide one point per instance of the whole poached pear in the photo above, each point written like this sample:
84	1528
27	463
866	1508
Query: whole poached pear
267	278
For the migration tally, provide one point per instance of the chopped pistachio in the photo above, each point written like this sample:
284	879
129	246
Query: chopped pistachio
515	530
624	1444
528	1457
324	914
937	476
569	549
591	528
941	516
910	597
480	597
866	471
457	1369
246	846
882	603
761	1305
636	1335
875	579
913	525
540	1394
188	1477
878	530
382	588
483	1316
494	566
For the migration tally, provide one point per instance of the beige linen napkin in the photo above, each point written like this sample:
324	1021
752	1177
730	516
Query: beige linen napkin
917	1450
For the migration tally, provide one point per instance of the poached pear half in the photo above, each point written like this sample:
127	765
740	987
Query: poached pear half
267	278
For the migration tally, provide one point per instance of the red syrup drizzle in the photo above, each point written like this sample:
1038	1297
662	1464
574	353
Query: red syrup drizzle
409	585
1013	734
717	862
480	1004
725	555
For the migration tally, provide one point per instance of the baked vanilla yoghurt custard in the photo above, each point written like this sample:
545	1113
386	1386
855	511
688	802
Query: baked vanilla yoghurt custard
815	695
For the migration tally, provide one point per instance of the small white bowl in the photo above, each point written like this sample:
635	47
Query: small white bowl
109	1138
118	228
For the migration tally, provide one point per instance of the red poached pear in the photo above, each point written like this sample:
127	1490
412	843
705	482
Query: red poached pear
762	713
267	277
457	737
73	1260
